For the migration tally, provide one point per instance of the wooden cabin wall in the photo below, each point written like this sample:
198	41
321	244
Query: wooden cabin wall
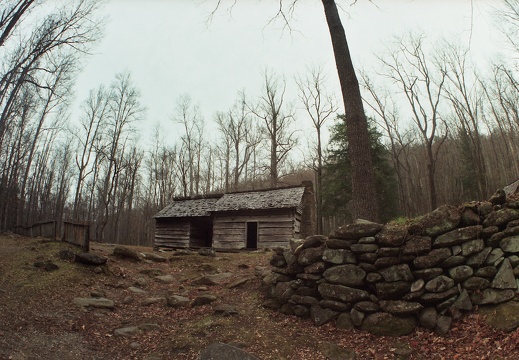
229	231
297	225
171	233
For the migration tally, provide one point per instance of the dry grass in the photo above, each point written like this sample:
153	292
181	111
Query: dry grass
37	315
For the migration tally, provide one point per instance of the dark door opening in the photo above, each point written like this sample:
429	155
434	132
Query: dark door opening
252	235
201	233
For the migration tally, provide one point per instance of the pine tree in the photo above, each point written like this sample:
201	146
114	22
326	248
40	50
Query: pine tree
337	193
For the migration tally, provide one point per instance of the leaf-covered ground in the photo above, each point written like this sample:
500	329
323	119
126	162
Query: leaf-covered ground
38	319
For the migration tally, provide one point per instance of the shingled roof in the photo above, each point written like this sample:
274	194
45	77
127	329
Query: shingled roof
264	199
188	208
285	198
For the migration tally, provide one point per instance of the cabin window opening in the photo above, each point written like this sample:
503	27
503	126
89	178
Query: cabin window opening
252	234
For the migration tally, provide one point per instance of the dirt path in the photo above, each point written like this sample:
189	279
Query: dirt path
39	320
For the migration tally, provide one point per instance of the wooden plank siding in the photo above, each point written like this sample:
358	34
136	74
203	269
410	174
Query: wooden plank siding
172	234
274	229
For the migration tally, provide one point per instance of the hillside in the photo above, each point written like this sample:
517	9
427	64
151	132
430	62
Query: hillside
172	309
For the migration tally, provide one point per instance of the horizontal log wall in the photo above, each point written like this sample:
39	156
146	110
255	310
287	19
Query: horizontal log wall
230	232
171	234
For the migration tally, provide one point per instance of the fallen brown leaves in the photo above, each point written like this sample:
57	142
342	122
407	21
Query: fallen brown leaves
36	318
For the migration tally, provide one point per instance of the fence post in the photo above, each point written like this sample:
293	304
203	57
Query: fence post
86	246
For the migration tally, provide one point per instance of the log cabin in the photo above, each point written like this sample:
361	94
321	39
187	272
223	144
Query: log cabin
240	220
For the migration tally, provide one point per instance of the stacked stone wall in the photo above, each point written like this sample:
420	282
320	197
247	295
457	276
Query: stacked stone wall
387	279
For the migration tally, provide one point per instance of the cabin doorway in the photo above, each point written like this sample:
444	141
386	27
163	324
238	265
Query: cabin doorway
252	235
201	233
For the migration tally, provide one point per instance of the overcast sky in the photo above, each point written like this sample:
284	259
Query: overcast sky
171	50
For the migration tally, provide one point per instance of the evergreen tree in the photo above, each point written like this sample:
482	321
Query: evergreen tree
337	176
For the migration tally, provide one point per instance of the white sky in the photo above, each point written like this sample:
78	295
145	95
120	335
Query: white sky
169	49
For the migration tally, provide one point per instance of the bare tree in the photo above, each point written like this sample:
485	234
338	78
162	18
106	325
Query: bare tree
11	16
38	66
423	86
507	20
387	118
240	136
502	95
320	107
51	95
224	147
364	201
466	97
70	29
88	137
188	115
277	122
161	168
124	110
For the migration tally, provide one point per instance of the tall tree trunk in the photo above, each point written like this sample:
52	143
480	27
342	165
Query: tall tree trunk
431	170
364	201
319	184
273	155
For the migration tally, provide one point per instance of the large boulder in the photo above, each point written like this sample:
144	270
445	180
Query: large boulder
510	244
391	235
461	273
503	316
154	257
334	352
439	284
443	219
177	301
458	236
492	296
127	253
417	245
339	256
392	290
428	318
349	275
100	303
220	351
384	324
203	299
400	307
314	241
505	278
321	316
310	255
357	230
90	259
501	217
432	259
397	273
214	279
342	293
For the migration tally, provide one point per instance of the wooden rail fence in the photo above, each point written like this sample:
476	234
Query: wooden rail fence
46	229
76	233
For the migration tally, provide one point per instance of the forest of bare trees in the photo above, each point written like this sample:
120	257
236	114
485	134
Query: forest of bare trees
449	128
